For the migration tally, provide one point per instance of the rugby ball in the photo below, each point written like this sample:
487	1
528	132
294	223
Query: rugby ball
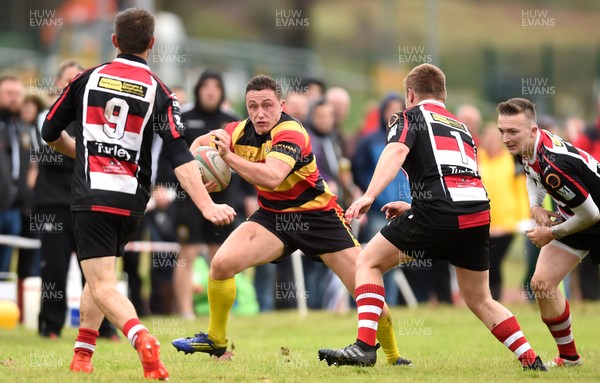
212	167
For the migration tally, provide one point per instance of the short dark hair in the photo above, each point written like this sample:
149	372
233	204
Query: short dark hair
69	63
35	100
516	106
305	82
262	82
319	102
426	80
134	28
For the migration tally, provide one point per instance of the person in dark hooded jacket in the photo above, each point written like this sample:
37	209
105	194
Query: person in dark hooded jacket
327	148
326	145
191	228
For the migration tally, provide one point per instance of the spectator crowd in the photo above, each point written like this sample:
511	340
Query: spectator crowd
35	198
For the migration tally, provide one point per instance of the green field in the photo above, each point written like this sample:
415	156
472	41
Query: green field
445	344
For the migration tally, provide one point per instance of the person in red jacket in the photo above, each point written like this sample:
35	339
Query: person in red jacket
589	141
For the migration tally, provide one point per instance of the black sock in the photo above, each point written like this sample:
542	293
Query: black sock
365	346
572	358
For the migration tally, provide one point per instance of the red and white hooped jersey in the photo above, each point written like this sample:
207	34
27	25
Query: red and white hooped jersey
566	172
118	106
442	167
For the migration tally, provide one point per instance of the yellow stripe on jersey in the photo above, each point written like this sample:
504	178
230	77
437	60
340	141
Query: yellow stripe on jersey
303	189
238	130
315	204
293	126
250	153
283	157
300	175
288	126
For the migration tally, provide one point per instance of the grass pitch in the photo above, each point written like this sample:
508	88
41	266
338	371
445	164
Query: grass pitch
445	344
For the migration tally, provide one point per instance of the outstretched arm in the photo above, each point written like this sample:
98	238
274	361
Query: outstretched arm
389	164
190	179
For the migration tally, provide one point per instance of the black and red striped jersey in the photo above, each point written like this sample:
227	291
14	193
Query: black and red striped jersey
441	166
303	189
117	107
568	173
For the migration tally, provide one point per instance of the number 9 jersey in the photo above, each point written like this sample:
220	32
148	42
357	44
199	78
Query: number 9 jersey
442	167
118	107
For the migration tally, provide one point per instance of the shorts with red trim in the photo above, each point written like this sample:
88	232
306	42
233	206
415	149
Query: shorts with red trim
99	234
466	248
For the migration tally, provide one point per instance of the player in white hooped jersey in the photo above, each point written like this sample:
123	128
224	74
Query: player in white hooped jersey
572	178
450	220
570	175
441	161
116	109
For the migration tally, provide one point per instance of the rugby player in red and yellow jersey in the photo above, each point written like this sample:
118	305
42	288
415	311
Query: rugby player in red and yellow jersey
272	151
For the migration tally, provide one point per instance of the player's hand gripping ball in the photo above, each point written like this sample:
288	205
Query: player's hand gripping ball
212	167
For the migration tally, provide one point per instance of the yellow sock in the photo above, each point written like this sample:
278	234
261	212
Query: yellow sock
387	338
221	296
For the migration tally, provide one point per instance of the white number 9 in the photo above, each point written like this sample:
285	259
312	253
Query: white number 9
115	112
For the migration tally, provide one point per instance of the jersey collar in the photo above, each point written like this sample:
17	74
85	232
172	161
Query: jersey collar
435	102
127	59
536	146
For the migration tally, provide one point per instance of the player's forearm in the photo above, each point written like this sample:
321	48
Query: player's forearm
190	178
535	193
65	144
259	174
586	215
387	168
